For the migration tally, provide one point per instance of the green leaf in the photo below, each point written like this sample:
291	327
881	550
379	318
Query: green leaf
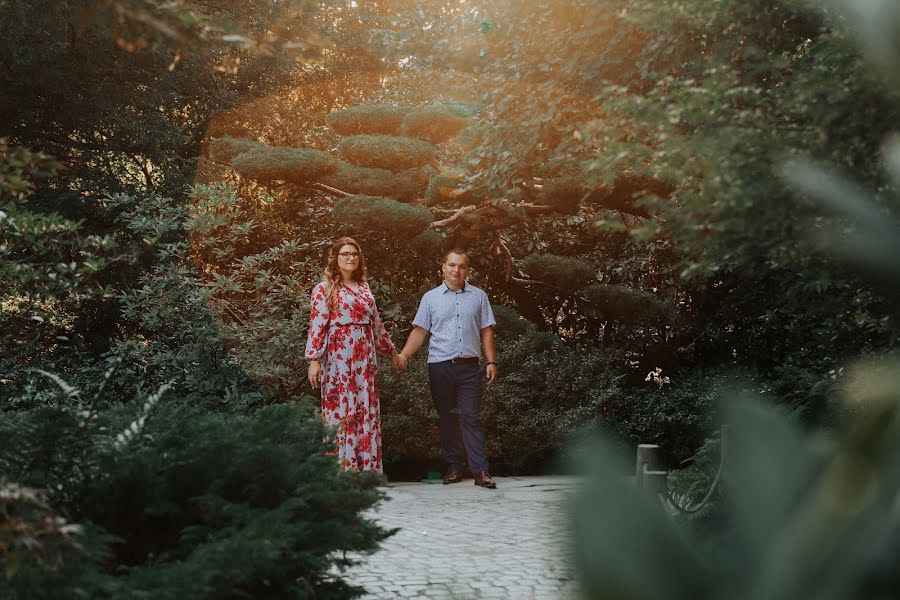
766	480
626	546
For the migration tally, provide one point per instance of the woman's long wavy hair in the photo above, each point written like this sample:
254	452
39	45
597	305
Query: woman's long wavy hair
332	276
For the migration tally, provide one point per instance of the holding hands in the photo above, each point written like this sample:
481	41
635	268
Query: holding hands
400	362
314	374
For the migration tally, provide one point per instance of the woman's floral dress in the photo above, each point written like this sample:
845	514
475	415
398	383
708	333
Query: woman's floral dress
345	340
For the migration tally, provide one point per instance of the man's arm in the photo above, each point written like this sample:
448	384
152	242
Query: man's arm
414	342
490	353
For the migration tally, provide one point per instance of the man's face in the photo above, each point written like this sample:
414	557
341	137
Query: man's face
455	269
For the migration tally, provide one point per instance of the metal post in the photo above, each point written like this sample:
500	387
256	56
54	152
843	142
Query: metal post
655	482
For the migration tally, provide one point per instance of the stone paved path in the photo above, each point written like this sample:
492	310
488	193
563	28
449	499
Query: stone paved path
460	541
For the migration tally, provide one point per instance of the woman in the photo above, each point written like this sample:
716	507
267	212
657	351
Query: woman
345	332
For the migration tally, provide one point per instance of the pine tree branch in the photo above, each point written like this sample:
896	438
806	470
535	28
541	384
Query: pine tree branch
455	217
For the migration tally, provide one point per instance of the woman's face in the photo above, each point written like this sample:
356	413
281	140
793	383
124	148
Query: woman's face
348	258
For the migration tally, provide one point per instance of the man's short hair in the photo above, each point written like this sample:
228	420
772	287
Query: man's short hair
459	251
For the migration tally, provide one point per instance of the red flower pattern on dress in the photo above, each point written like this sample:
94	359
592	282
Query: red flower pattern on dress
346	340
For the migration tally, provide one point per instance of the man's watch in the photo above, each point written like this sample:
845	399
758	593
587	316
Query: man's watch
490	362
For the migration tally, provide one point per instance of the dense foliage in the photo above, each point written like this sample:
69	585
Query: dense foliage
172	176
137	457
623	199
795	513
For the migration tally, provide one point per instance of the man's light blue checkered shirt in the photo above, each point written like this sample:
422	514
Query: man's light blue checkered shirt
455	320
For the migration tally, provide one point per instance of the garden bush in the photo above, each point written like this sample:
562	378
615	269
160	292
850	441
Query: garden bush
296	165
409	421
366	212
368	119
568	274
546	391
435	124
191	503
403	186
677	416
394	153
225	149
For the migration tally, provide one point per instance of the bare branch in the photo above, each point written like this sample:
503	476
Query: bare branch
502	250
234	315
455	217
328	188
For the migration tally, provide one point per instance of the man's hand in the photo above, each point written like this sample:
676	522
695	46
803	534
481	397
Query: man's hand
314	373
491	373
490	352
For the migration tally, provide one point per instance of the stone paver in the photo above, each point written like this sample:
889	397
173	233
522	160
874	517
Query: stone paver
460	541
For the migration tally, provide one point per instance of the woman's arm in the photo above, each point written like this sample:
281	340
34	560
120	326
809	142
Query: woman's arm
317	339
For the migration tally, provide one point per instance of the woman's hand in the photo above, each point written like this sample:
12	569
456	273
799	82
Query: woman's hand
314	373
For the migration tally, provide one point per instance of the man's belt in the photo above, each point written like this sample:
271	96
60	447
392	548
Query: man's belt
464	360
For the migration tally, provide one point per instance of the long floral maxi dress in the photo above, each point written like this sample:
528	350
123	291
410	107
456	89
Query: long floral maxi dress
345	340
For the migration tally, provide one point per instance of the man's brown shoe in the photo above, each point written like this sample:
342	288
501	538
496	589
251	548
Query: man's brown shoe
483	478
453	476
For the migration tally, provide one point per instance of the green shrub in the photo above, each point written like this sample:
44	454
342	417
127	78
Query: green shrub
441	188
565	193
547	390
429	243
567	274
225	149
416	179
627	305
433	124
296	165
510	324
361	180
408	418
387	152
368	119
374	212
202	504
403	186
35	541
676	415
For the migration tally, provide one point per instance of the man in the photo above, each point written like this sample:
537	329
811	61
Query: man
459	317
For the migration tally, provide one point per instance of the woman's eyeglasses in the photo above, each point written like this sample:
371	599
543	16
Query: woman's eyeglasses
348	254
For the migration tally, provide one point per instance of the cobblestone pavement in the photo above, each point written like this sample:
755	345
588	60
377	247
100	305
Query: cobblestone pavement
460	541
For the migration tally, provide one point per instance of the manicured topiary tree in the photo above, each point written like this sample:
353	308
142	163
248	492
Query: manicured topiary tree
295	165
400	170
404	219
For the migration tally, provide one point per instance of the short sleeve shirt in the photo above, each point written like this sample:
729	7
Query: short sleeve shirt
455	320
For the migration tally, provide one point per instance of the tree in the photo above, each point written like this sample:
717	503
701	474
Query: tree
134	449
